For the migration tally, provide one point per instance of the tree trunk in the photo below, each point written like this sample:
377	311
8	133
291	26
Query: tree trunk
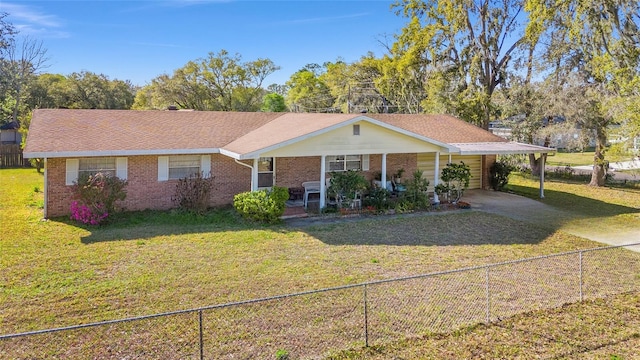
535	163
600	166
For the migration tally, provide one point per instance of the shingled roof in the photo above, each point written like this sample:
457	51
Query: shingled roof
69	132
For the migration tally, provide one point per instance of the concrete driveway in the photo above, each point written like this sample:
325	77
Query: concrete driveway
524	209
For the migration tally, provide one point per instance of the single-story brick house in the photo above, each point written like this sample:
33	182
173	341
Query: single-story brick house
247	151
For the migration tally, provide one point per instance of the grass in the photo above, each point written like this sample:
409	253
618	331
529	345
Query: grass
56	273
580	158
604	210
596	329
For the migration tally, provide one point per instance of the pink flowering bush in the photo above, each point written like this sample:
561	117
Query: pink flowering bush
86	215
96	197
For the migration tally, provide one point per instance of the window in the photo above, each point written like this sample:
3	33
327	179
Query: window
344	163
356	129
265	172
92	166
114	166
183	166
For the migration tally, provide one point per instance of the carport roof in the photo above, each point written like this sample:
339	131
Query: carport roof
500	148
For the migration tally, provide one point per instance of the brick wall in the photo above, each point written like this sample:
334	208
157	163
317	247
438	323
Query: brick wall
292	172
144	191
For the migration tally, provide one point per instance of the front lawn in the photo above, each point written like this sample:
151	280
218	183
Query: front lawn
56	273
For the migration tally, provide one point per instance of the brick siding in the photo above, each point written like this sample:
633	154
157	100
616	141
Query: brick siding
144	191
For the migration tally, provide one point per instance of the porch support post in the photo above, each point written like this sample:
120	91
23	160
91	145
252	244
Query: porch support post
323	182
449	159
383	171
435	178
542	166
254	175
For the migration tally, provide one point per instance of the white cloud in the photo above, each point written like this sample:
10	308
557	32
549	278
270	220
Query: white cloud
28	20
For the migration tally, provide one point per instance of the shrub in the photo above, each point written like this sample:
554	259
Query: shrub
263	205
499	175
416	192
96	197
457	177
346	185
192	193
88	215
378	198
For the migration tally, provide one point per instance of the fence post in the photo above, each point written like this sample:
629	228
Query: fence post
201	341
581	294
488	296
366	318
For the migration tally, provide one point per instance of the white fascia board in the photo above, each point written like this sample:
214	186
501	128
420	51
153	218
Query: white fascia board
232	154
102	153
255	154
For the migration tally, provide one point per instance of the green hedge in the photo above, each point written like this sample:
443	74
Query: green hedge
265	206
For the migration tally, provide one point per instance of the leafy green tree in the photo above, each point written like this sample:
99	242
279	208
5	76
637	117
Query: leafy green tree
461	50
603	40
87	90
273	103
308	93
221	82
48	91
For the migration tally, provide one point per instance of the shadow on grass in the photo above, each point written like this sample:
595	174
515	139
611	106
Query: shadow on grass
454	228
575	204
140	225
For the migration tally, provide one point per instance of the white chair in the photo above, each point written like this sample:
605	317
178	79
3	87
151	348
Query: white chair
310	187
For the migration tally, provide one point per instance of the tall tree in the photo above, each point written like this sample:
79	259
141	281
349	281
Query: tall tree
24	60
603	59
465	46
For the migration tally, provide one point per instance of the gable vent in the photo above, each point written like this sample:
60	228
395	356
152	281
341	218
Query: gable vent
356	129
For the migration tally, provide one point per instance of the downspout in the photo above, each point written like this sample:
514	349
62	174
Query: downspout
250	167
542	165
323	182
46	188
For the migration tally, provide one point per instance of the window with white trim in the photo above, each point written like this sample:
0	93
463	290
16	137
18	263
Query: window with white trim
176	167
265	172
183	166
92	166
344	163
113	166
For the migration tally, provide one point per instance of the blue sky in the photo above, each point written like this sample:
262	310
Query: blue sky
140	40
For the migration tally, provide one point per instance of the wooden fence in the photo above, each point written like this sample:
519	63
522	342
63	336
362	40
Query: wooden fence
11	156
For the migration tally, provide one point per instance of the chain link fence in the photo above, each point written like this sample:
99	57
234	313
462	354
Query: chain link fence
315	324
